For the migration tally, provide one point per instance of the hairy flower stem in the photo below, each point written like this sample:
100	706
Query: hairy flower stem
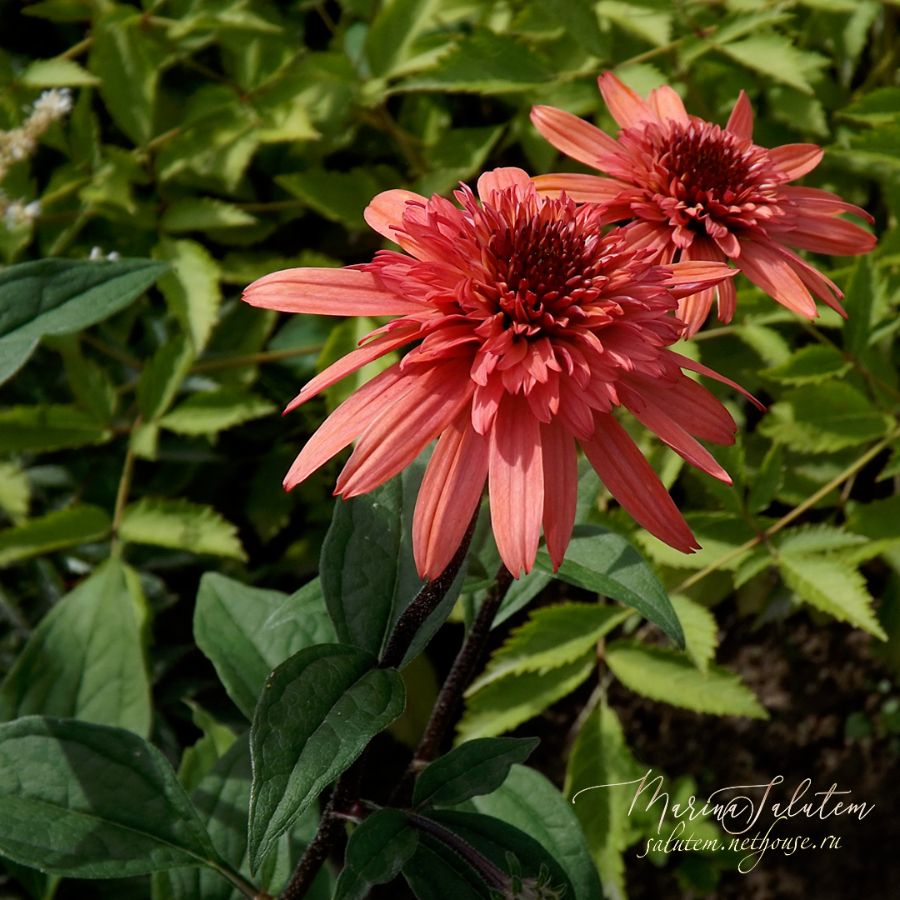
345	795
461	673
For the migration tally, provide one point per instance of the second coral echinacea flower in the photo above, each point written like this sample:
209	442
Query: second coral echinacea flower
528	327
693	190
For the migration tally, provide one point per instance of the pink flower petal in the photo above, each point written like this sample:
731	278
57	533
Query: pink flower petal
328	292
560	462
353	361
399	434
693	366
499	180
795	160
349	420
516	484
692	275
625	106
449	495
822	234
385	212
580	188
690	404
766	268
574	136
814	200
632	481
668	105
740	122
672	433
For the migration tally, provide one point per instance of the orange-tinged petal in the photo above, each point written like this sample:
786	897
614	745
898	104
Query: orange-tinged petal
581	188
449	495
626	106
632	481
516	484
668	105
768	269
795	160
560	462
328	292
573	136
384	213
498	180
740	122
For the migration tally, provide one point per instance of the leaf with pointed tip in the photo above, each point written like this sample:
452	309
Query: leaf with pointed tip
62	784
475	767
318	711
603	561
376	852
246	632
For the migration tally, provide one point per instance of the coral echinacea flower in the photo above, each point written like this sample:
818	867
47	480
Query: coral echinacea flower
528	328
700	192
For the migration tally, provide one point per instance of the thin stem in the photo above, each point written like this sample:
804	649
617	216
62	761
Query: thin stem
795	513
241	883
122	494
462	672
253	359
424	604
345	796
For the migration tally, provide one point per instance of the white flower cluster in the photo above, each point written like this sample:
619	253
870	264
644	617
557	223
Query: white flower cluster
21	142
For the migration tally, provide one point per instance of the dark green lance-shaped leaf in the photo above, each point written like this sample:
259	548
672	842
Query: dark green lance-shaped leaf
221	799
527	800
473	768
359	565
318	711
495	841
40	428
54	531
669	676
85	659
602	561
93	802
377	851
246	632
59	296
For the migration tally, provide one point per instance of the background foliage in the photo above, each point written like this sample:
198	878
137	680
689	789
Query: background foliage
212	141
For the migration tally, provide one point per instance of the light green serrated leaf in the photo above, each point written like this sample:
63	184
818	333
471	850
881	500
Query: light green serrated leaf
816	539
832	586
810	365
128	62
650	25
600	756
85	659
766	342
668	676
162	377
860	301
204	214
507	702
180	525
775	55
54	531
192	287
58	72
15	490
213	411
878	107
701	631
483	63
42	428
823	418
552	636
